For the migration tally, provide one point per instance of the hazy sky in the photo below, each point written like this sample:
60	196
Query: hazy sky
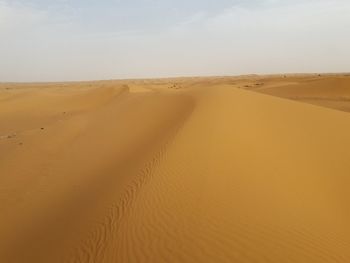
43	40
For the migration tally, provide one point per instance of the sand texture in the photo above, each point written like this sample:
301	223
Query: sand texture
222	169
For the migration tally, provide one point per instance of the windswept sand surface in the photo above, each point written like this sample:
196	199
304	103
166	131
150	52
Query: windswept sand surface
176	170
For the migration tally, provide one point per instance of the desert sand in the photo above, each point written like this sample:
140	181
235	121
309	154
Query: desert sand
220	169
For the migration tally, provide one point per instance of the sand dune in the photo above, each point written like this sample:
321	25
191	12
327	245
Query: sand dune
329	91
176	170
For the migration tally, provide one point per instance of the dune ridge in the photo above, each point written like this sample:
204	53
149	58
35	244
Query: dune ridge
176	170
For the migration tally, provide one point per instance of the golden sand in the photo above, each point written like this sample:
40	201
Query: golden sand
176	170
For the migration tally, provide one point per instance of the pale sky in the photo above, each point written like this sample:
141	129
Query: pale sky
48	40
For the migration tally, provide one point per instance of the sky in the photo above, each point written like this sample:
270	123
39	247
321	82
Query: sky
47	40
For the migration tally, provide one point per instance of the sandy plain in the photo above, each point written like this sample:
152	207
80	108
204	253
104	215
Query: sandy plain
218	169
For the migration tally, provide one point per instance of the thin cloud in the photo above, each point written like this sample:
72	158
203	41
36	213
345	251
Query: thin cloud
73	40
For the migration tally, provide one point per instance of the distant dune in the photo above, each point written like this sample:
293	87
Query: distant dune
220	169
